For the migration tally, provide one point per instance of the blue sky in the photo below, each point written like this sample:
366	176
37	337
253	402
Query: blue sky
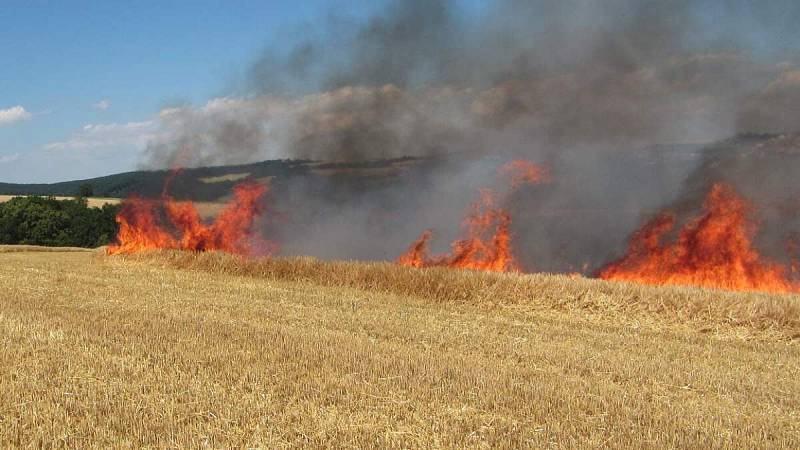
71	64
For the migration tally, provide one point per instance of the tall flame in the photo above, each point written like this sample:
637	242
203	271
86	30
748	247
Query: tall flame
486	244
714	250
140	227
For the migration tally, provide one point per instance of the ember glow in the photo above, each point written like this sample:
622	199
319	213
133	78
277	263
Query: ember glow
714	250
141	228
486	244
521	172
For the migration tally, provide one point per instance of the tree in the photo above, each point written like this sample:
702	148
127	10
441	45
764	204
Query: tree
85	190
47	221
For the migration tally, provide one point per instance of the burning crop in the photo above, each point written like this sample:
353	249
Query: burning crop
714	250
486	244
141	227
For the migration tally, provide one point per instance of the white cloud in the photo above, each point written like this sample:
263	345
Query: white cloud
13	114
107	137
6	159
102	105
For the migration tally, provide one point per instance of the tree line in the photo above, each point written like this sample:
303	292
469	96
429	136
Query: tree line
58	223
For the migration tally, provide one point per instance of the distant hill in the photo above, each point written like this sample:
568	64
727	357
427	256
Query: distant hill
758	164
208	183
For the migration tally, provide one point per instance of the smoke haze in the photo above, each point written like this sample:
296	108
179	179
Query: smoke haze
615	96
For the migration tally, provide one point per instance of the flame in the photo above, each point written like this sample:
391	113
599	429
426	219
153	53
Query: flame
140	227
486	244
714	250
521	172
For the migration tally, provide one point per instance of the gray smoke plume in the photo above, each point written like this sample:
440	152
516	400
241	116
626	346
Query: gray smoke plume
424	77
590	88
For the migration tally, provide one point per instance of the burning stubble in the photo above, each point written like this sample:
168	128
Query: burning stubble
486	244
620	106
140	226
714	250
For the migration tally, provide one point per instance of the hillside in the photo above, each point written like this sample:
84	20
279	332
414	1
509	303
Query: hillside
214	183
202	184
186	350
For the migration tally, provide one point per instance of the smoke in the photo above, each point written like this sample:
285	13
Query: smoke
762	168
427	77
776	108
589	88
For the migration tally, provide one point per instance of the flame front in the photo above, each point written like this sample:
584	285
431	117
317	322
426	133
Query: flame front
714	250
140	227
486	244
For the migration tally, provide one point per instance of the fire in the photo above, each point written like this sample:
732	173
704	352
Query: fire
140	227
714	250
522	172
486	244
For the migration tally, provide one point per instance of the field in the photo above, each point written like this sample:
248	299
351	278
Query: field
187	351
94	202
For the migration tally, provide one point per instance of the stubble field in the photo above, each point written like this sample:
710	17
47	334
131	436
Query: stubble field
192	351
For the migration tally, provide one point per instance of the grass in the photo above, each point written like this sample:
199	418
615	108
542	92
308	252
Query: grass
182	350
702	308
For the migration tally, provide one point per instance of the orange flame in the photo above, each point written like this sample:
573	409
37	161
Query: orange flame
714	250
487	245
522	172
140	227
487	241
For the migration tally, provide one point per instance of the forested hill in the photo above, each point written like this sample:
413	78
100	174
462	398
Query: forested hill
656	168
205	183
209	180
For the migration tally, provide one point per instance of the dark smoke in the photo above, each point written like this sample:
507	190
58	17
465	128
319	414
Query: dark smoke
762	168
616	96
425	77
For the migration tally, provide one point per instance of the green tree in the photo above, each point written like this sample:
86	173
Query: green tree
85	190
47	221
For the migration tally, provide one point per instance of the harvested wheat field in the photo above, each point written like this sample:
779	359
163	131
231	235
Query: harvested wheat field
40	248
186	350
